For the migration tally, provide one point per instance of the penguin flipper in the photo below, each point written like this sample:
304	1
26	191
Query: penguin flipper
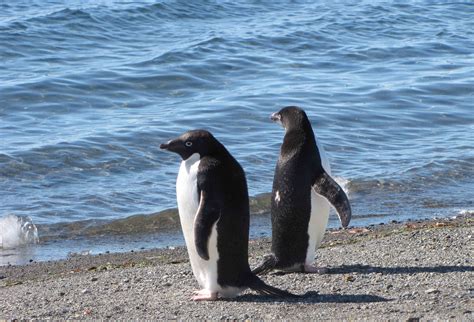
269	263
259	286
327	187
207	215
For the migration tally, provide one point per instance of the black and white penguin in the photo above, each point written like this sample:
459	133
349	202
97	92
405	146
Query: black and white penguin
213	207
302	192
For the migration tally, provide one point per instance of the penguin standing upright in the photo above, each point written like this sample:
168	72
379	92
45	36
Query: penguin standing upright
301	194
213	208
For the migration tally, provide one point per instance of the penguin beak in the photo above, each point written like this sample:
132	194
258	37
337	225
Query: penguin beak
165	146
275	117
175	146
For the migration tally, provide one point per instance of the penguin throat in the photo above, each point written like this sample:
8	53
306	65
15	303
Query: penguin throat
193	158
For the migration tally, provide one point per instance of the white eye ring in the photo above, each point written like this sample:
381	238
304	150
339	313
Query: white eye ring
188	143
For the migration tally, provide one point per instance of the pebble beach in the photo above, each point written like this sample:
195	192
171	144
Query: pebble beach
403	270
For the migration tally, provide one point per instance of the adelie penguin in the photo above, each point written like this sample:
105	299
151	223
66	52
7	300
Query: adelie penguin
213	207
302	192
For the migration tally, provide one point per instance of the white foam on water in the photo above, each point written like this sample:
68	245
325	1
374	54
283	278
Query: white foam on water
343	183
16	231
466	212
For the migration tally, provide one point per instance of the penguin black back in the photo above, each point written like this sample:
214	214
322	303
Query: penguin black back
301	188
222	176
299	157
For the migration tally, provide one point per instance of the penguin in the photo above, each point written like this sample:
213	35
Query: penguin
213	206
302	193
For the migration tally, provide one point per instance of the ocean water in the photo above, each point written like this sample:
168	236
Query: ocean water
89	89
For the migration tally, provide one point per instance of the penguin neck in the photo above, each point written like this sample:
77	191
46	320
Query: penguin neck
297	138
189	162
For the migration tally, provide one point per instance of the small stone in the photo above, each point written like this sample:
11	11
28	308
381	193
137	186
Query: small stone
406	295
431	291
62	293
94	279
349	278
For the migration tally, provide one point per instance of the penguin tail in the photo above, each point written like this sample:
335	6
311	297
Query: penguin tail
268	264
259	286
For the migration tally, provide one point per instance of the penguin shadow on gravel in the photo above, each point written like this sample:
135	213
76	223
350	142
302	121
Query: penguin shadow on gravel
313	297
368	269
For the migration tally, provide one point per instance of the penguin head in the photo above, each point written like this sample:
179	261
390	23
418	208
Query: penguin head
191	142
290	117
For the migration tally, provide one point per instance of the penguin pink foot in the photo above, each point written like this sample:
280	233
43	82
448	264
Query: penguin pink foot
311	268
204	295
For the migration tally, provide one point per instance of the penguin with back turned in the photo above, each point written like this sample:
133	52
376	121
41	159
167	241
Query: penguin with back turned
302	192
213	207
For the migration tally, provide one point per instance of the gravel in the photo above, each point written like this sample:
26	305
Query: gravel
410	271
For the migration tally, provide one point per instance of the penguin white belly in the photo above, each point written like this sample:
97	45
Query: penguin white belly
319	214
205	271
317	224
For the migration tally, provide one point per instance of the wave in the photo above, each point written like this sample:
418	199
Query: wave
44	17
17	231
431	174
130	13
66	14
201	9
166	220
130	151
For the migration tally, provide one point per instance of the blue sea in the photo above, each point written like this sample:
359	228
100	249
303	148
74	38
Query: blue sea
89	89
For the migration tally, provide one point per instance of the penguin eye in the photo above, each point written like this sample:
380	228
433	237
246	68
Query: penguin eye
188	143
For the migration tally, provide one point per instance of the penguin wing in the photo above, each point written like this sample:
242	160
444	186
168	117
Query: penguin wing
325	186
207	215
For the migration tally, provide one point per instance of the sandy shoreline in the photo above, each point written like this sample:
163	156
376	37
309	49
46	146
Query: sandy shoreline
398	271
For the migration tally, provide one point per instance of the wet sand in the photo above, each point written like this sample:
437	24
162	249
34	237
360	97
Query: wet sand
413	270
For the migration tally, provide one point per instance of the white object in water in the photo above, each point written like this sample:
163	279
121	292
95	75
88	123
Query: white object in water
17	231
